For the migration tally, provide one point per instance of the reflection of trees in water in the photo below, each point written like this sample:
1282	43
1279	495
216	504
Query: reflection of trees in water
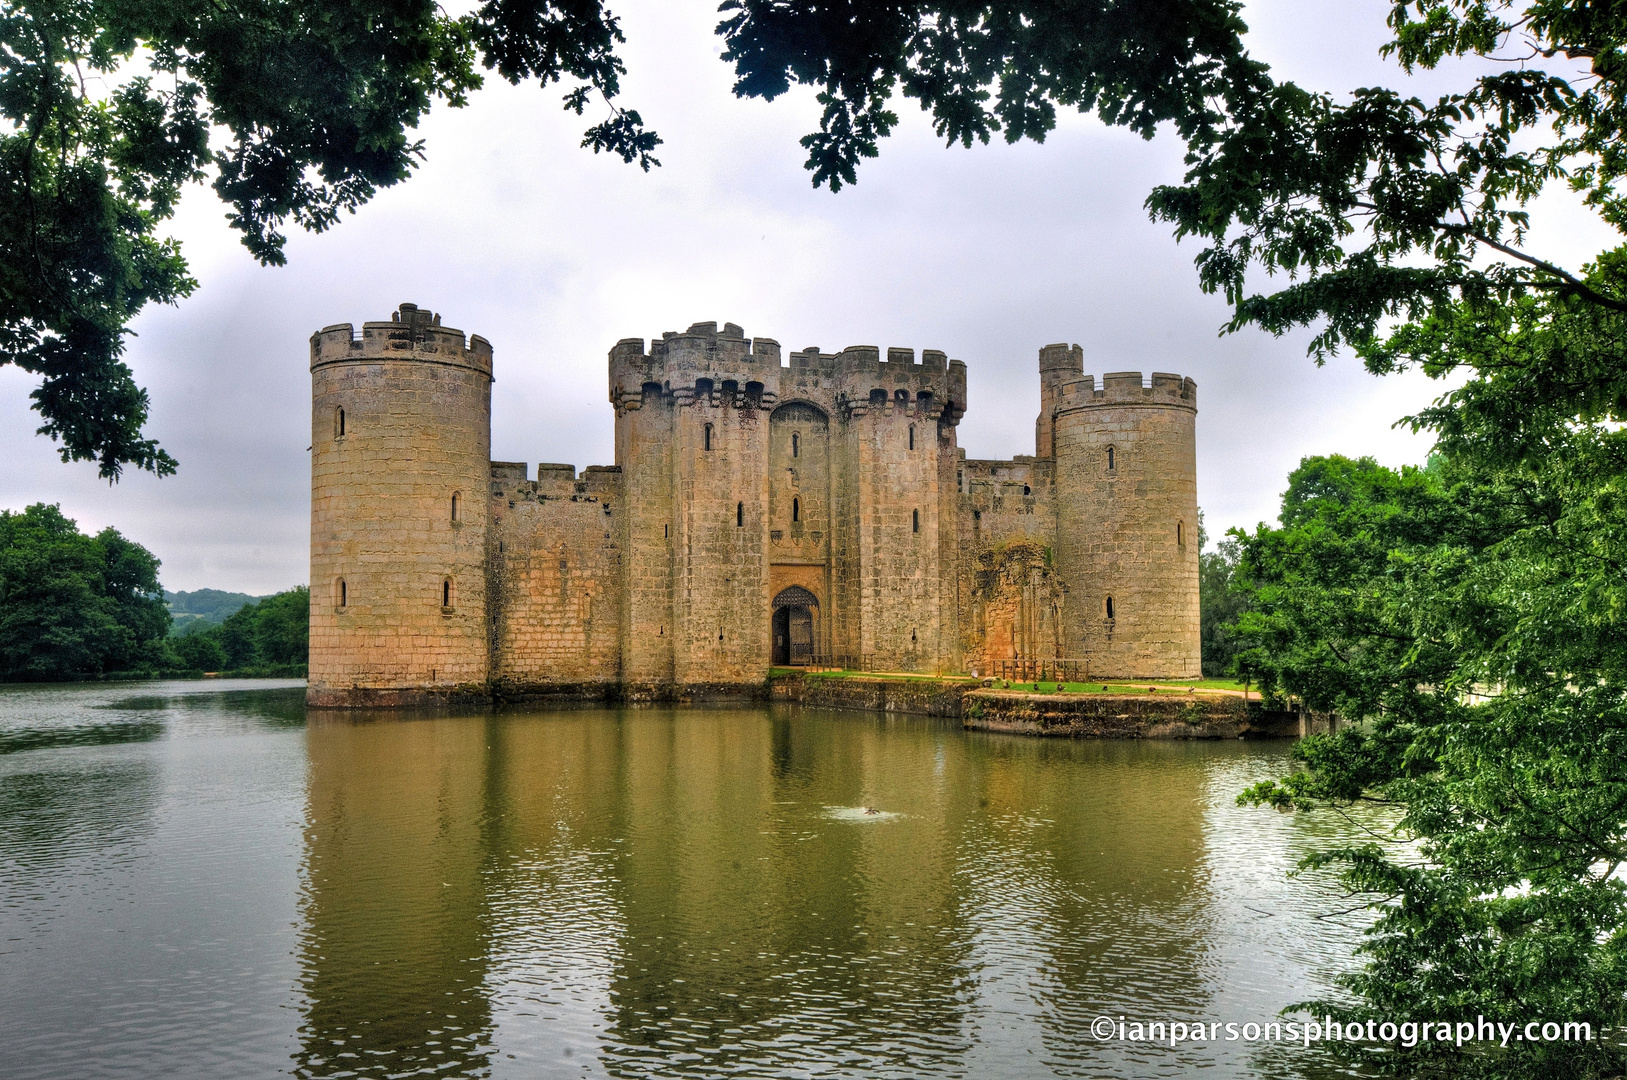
281	707
393	947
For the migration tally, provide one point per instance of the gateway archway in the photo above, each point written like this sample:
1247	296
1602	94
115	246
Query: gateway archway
793	626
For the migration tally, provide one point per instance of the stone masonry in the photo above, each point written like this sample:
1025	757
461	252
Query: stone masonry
762	510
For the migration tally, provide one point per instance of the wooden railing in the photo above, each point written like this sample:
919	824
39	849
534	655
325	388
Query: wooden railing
1062	669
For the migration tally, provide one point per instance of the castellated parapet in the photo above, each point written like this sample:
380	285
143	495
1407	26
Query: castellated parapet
764	508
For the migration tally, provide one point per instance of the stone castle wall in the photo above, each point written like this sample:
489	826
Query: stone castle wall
1127	518
555	592
833	481
398	579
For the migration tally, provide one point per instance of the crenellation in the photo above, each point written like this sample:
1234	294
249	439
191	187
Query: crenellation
826	493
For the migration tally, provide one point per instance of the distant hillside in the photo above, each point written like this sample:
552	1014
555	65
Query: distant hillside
204	607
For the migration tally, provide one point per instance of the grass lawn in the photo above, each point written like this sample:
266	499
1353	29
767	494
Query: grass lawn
1114	686
774	673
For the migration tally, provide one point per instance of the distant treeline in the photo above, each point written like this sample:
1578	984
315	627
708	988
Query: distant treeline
74	606
204	607
273	633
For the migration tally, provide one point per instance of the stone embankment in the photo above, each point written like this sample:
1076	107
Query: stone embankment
1100	716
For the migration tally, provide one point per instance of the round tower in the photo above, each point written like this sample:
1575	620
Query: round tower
400	467
1127	525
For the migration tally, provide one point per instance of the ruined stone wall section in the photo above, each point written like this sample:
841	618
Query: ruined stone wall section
400	424
556	602
1127	527
1005	506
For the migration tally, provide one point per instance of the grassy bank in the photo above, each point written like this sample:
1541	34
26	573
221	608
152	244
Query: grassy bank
1112	686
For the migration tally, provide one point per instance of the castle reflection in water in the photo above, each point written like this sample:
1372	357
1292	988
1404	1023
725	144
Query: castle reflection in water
644	893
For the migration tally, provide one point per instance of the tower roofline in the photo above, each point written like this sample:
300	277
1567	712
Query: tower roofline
1122	388
412	333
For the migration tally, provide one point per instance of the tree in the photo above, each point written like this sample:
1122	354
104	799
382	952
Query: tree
1469	617
199	651
316	99
72	604
271	632
1219	604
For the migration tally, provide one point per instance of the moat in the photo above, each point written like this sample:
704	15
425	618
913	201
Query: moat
203	880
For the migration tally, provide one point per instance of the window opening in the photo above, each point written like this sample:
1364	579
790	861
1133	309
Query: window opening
915	521
454	506
1110	607
708	444
739	514
1027	490
339	423
912	436
796	445
1180	536
446	593
796	509
1109	459
340	591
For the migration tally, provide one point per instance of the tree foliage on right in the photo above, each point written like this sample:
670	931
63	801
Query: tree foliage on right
1470	618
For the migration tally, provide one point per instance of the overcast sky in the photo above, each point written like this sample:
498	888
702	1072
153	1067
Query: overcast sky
552	253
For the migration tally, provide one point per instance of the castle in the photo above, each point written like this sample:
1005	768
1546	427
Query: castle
762	511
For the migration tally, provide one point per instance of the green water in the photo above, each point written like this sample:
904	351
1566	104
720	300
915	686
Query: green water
200	880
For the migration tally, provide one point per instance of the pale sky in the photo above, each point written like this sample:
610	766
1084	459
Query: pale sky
552	253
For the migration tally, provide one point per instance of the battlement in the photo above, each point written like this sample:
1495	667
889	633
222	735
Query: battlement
933	386
1126	388
702	364
1062	358
411	334
726	368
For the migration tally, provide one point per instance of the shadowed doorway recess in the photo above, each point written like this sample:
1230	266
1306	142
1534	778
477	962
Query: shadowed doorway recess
793	626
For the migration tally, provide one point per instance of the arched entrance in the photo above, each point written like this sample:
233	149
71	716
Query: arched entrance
793	626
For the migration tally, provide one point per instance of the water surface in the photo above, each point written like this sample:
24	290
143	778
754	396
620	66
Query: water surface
201	880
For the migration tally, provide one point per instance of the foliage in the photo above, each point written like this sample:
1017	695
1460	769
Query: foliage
984	68
203	607
72	604
1471	616
106	113
1219	604
274	631
1378	204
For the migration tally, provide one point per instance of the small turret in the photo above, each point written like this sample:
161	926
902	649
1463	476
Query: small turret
1058	364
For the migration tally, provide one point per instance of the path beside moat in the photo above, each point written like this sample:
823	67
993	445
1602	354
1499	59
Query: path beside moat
1159	712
